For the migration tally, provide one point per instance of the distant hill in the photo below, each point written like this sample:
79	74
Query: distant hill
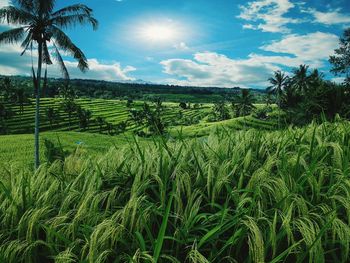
133	90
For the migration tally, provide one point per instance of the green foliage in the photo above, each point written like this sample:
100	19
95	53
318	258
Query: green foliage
84	117
220	111
341	59
247	196
52	115
53	152
244	104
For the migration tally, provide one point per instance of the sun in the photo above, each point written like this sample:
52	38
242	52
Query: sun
159	33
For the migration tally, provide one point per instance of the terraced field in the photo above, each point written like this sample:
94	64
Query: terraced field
192	121
113	111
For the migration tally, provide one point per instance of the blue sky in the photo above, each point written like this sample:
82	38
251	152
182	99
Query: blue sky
222	43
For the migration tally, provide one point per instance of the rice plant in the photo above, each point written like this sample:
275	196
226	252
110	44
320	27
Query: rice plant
243	196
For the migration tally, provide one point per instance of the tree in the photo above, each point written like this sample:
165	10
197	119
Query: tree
52	115
341	59
100	121
66	92
244	104
121	127
6	88
39	25
84	117
159	105
301	80
20	97
183	105
129	103
220	111
278	82
5	113
69	107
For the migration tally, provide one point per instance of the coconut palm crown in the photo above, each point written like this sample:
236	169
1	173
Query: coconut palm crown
40	27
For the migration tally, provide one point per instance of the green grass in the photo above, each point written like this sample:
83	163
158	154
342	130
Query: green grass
234	196
18	150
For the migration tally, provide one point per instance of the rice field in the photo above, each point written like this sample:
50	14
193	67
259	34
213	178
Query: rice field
232	196
113	111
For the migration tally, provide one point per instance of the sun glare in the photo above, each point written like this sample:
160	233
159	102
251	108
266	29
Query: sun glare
159	33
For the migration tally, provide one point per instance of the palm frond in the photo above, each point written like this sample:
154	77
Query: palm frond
61	64
64	43
46	55
26	43
12	36
45	6
72	20
27	5
73	9
14	15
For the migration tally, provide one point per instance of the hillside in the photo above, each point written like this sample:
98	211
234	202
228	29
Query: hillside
116	112
138	91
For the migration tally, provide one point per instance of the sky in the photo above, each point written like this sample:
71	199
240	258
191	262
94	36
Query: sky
221	43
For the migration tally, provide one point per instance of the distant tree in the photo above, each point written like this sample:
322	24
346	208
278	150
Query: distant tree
121	127
70	107
129	103
158	103
301	80
220	111
20	97
66	92
5	112
138	116
244	105
183	105
268	99
41	26
153	119
279	81
52	115
109	127
341	60
196	106
100	121
84	117
6	88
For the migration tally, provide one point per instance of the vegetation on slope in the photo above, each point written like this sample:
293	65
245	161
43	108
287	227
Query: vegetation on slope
236	196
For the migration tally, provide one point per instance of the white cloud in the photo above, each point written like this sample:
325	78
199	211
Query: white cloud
181	46
309	48
332	17
98	70
338	80
11	63
4	3
269	15
212	69
249	26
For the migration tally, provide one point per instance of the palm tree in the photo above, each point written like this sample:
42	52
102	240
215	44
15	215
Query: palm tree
244	104
278	82
301	80
100	121
52	115
20	97
69	107
40	25
66	92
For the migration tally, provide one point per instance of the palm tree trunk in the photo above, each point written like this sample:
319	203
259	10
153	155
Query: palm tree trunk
37	108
